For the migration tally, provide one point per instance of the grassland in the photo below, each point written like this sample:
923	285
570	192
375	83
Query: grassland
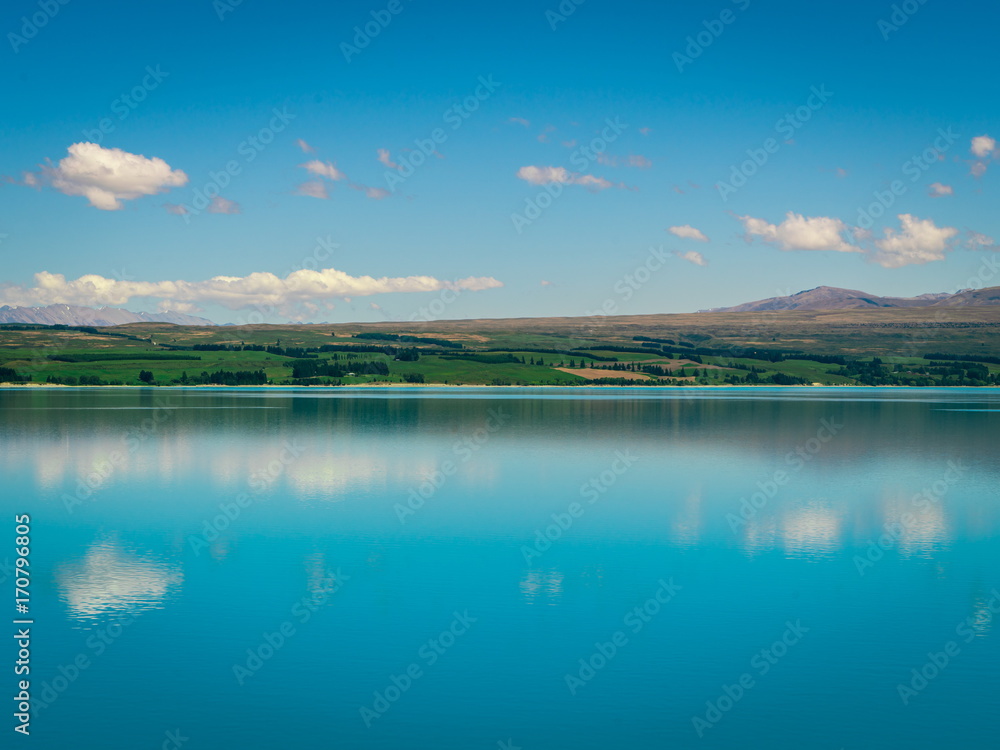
843	347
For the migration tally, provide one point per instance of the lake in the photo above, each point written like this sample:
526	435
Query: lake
513	568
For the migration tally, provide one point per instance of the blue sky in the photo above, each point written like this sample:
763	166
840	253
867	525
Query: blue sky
833	100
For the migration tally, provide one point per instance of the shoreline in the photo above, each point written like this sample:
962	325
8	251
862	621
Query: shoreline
438	386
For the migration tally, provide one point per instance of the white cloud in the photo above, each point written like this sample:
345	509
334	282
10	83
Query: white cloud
233	292
220	205
312	189
543	282
374	193
688	232
306	148
386	159
520	121
978	241
799	232
841	172
982	146
937	190
108	176
639	161
645	131
176	209
918	241
324	169
978	169
550	175
692	256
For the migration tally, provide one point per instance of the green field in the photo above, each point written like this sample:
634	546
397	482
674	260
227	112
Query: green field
842	347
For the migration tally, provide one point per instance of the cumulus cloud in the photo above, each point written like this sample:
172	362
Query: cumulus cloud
978	169
312	189
324	169
220	205
306	148
108	176
918	241
386	159
692	256
551	175
687	231
799	232
982	146
233	292
938	189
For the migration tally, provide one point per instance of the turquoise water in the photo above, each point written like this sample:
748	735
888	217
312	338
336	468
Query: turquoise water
471	567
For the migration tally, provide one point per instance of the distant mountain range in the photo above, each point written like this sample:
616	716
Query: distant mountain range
76	315
832	298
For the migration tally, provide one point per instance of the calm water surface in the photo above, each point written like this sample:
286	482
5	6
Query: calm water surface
457	569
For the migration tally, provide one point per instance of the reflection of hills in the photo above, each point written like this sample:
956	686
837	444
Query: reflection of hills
112	583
